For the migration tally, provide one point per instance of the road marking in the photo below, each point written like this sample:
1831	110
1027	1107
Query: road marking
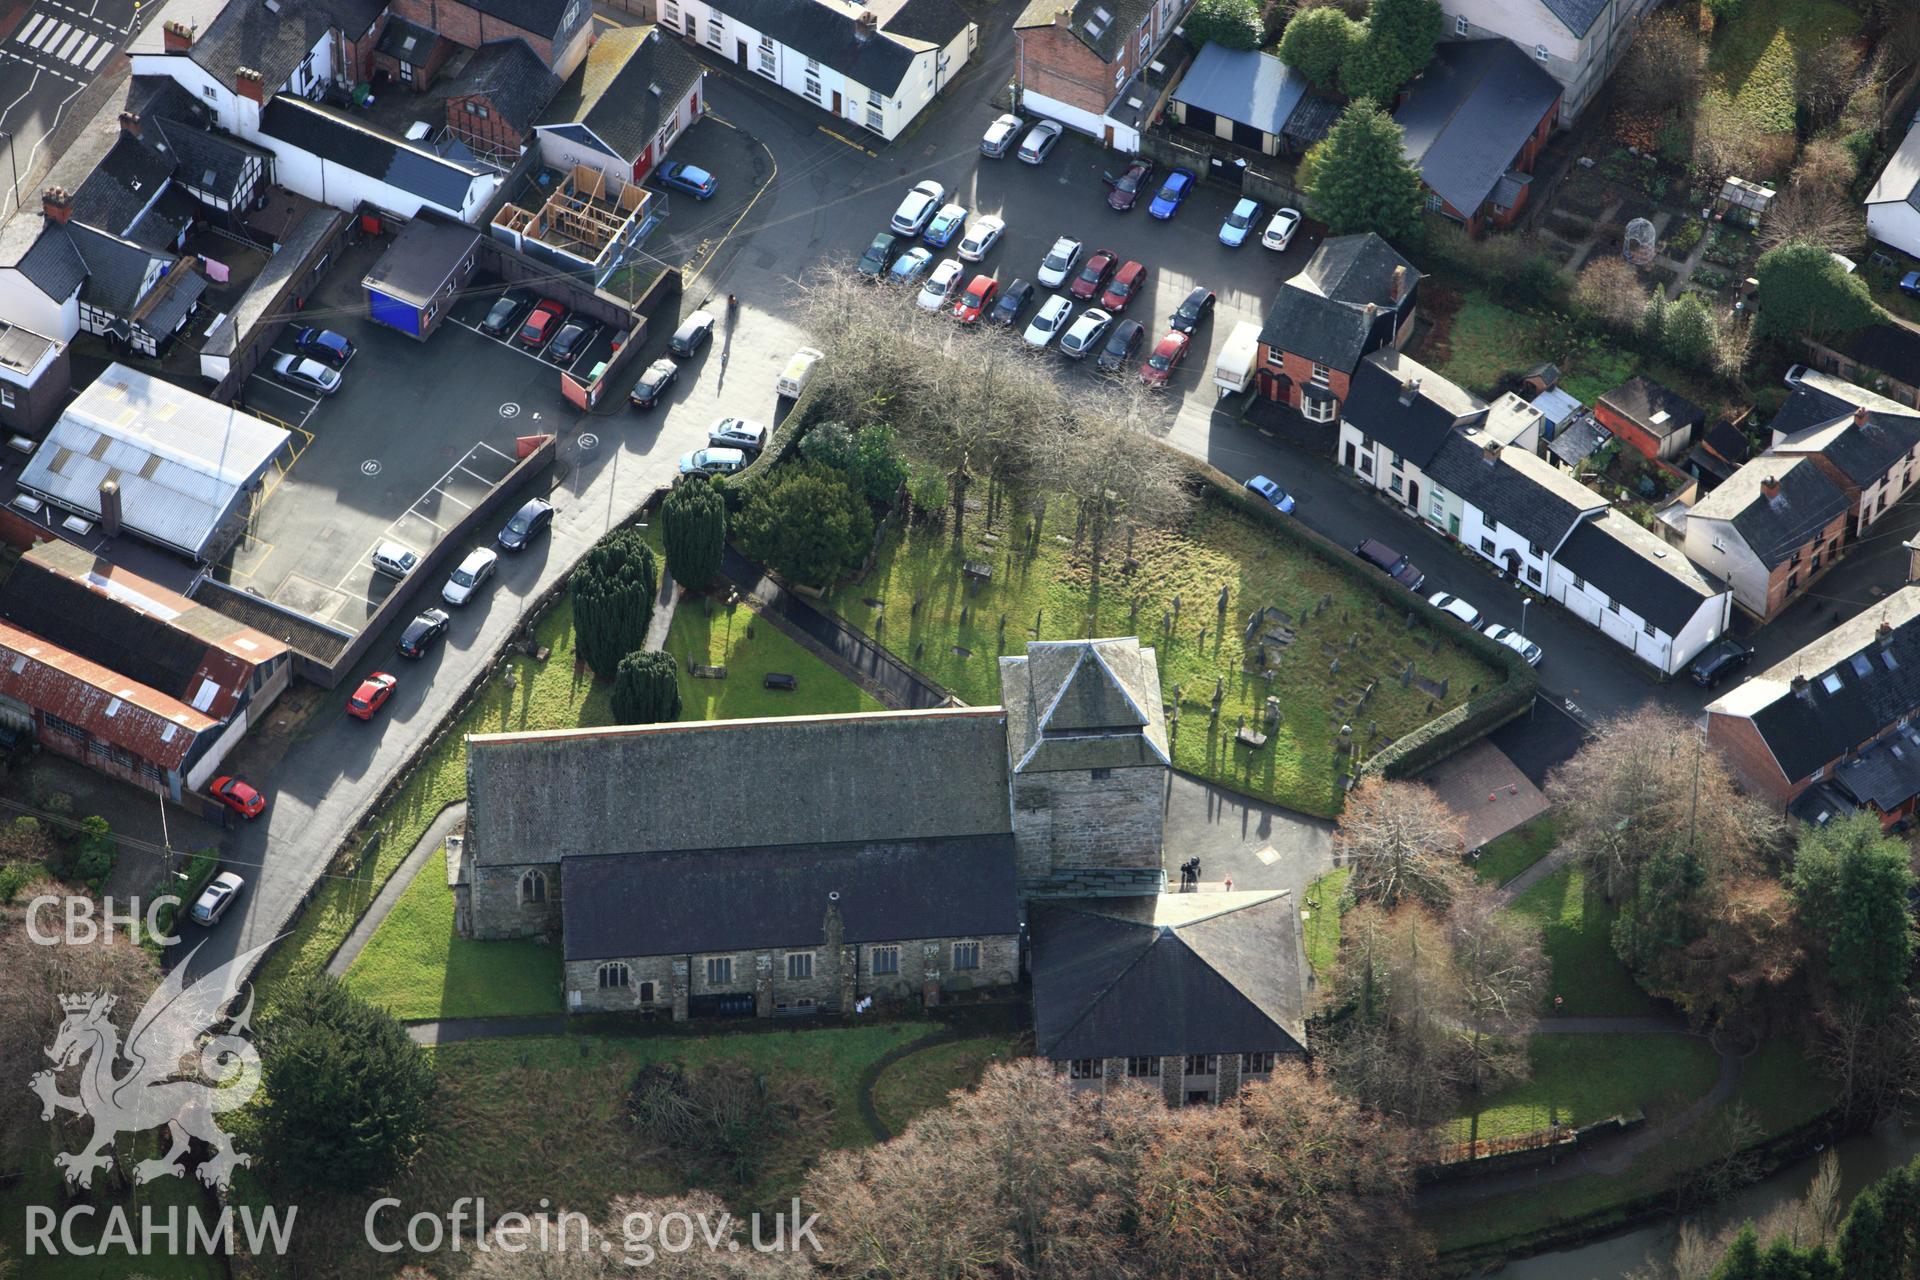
497	453
53	29
417	514
66	45
470	471
849	141
99	55
371	467
79	57
455	501
33	25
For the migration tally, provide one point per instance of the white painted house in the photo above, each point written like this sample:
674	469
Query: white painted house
1578	42
636	91
1893	206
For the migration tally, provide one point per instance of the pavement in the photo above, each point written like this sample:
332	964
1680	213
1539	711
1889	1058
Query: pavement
1488	791
50	52
429	844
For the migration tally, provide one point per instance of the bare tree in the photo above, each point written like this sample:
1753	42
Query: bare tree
1664	66
1501	970
1726	142
1827	74
1611	291
1402	842
1873	1059
1103	457
637	1235
1815	213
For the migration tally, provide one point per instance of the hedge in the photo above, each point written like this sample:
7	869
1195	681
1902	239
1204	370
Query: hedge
187	884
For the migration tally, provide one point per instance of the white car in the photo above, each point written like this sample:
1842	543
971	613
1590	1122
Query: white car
311	374
917	210
738	433
216	898
1039	141
1447	602
1507	636
981	237
1059	262
1086	333
472	574
998	139
938	290
1280	229
1048	321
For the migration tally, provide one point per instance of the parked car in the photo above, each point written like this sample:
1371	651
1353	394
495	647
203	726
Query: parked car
879	255
503	317
533	516
1447	602
946	225
1094	274
738	433
324	345
474	572
654	383
1392	563
1279	232
1000	135
1125	189
1059	261
1193	309
1013	300
1048	321
1039	141
1279	498
1121	344
694	332
1233	232
979	295
798	373
941	283
713	462
573	340
237	796
423	631
394	560
310	375
1910	284
1172	194
1165	360
1127	284
216	898
983	233
692	179
1086	333
911	218
911	265
1794	374
1502	634
1718	661
372	695
543	322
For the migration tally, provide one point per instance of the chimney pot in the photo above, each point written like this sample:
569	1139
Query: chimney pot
57	204
1492	450
1770	488
865	24
1884	633
1859	415
176	36
1800	686
130	123
1398	285
248	84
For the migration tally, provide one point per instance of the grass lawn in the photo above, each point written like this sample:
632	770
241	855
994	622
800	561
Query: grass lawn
921	1080
1506	857
1578	1079
1754	56
1782	1087
1046	594
1576	929
749	646
1321	926
40	1184
1488	342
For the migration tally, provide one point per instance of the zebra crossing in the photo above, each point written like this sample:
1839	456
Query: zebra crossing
56	41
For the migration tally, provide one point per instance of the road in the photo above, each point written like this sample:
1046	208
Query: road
51	51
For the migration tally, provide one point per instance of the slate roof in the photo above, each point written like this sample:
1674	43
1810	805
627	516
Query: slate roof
1243	85
1083	704
1643	401
355	17
272	41
611	91
1578	439
1406	406
1725	440
1107	38
1887	774
897	775
704	900
346	141
109	706
1576	15
1321	313
1519	490
172	301
1636	568
540	16
825	31
116	268
1890	348
409	41
1899	182
212	162
121	186
53	262
1863	444
1174	974
511	77
1775	528
1468	115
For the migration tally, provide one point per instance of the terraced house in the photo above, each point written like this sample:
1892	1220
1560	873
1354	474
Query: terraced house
1084	62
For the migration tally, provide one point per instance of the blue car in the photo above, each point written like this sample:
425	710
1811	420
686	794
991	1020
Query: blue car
946	225
1172	194
691	179
324	345
1910	284
1233	232
1281	500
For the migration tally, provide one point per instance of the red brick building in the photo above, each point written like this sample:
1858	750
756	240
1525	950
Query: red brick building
1659	423
1077	58
558	31
1473	124
1354	296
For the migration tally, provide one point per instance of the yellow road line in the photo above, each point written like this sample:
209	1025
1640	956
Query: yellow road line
728	234
849	141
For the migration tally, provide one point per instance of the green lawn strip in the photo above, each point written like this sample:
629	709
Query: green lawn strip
1505	857
1782	1087
1755	55
749	647
1576	930
1322	923
922	592
421	970
921	1080
1578	1079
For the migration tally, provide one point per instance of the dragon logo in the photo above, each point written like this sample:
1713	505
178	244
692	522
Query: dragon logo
160	1086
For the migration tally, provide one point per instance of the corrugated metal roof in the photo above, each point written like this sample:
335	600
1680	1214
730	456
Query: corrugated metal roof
106	704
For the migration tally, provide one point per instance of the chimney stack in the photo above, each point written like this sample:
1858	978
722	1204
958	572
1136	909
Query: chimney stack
248	84
1398	285
110	508
866	24
1800	687
1884	633
1859	415
57	203
1408	388
176	36
130	124
1492	450
1770	488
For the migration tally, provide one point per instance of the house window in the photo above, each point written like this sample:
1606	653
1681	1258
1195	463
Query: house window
1533	575
1613	606
533	887
1322	375
671	12
1087	1068
207	91
1146	41
1579	584
719	971
1316	409
1719	545
1276	359
1120	77
1439	508
966	955
614	975
716	33
1203	1064
1254	1063
1143	1068
1434	203
1487	548
799	965
813	66
1540	52
886	960
1647	627
666	134
1100	775
1793	580
1396	484
812	87
1461	26
1535	549
7	398
1366	464
876	121
766	56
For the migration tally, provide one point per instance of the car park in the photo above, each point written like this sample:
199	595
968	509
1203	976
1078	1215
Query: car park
917	210
1233	232
533	516
654	383
575	336
364	702
422	632
1059	262
1392	563
1048	321
1172	194
1121	344
543	322
799	372
307	374
1094	275
1718	661
879	255
1193	309
946	224
941	283
220	893
324	345
474	572
503	317
1013	300
982	234
1085	334
1165	360
738	433
692	179
1125	189
713	462
694	332
1039	141
237	796
909	266
1279	232
1500	633
1276	497
1447	602
979	296
394	560
1127	284
1000	136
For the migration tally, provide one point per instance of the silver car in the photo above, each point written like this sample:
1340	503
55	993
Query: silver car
1086	334
1447	602
311	374
999	137
917	210
473	573
1059	262
216	898
713	462
1040	140
738	433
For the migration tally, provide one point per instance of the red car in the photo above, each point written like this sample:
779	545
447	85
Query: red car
238	796
1126	187
1093	276
1127	284
371	695
1166	357
543	322
981	291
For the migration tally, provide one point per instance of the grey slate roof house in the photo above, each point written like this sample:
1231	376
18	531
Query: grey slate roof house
1884	357
1250	98
1769	530
1355	295
1577	42
632	94
1473	123
1867	444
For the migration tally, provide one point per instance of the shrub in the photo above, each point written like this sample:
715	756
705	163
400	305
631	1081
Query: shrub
1611	294
807	525
613	591
94	853
1803	291
869	458
1317	41
1232	24
1399	41
1540	283
928	492
724	1115
693	533
646	689
1688	331
1683	239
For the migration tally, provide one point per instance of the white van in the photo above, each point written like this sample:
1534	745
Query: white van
799	372
1233	371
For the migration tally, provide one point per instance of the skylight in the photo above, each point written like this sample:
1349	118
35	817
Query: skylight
1862	667
1831	681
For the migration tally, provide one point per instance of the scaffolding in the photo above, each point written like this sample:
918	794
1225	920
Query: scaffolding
587	219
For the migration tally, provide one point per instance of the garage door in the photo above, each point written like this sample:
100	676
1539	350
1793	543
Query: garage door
1201	120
